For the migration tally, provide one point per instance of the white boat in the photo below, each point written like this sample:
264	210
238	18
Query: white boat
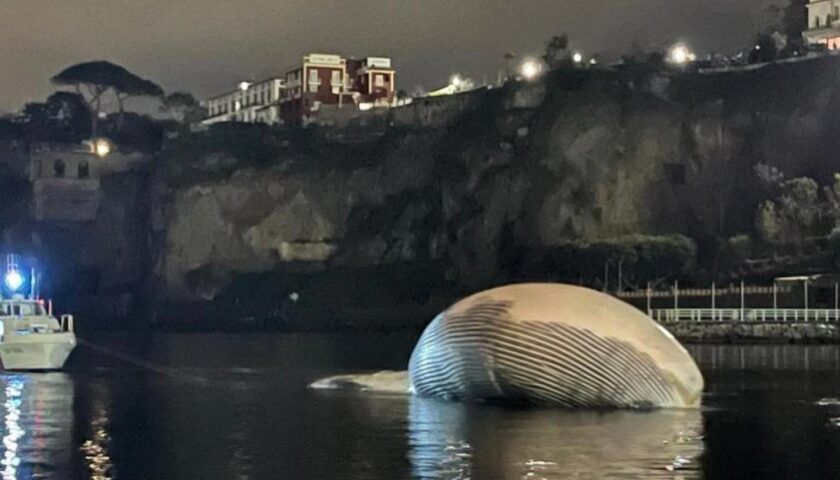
31	338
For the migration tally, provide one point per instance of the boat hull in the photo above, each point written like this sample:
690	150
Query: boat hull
37	352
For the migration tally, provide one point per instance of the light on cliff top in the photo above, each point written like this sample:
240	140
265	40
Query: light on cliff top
530	69
102	148
577	57
680	54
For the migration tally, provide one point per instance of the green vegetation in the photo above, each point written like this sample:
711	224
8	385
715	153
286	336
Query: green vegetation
643	258
220	151
183	108
92	80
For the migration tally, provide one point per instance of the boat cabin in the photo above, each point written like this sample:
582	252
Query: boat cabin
22	308
25	316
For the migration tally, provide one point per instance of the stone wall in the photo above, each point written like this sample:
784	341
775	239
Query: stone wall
755	332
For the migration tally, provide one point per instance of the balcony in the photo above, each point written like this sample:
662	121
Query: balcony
822	34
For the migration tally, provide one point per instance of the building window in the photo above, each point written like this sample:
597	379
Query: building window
336	78
84	169
313	76
58	168
313	88
380	80
816	22
836	14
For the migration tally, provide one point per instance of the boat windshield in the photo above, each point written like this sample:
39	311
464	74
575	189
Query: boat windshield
22	308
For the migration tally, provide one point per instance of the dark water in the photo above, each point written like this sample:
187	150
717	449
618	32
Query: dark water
237	407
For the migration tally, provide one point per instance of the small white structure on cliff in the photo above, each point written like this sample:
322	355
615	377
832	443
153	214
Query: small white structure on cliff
824	23
66	179
257	102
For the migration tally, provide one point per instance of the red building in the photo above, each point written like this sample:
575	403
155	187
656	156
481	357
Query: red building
373	80
323	80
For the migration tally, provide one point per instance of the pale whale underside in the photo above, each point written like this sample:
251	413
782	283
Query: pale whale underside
545	344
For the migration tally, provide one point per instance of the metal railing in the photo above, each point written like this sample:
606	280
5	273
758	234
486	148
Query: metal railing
745	315
67	323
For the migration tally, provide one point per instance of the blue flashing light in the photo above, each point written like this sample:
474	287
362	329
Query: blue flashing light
13	280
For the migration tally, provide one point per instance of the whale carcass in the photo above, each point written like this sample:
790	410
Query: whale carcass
548	344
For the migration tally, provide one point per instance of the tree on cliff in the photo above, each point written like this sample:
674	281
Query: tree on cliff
832	193
793	215
791	20
765	49
93	79
128	86
182	107
64	117
556	53
795	19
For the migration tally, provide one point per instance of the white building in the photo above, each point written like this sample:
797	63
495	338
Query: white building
824	23
257	102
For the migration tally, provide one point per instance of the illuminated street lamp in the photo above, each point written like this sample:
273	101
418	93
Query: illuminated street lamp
102	148
530	69
577	57
680	54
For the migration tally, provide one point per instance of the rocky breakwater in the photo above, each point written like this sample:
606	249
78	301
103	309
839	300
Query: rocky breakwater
755	332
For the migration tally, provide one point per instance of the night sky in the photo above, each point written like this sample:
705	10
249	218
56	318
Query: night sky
205	46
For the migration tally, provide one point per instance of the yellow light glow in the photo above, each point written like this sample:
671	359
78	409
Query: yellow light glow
680	54
455	81
102	148
530	69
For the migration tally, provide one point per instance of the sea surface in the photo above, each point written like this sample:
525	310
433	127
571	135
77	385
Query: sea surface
237	407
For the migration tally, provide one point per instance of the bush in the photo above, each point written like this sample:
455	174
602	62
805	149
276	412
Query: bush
834	240
643	257
741	246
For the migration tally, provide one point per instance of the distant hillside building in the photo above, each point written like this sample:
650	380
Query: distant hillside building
257	102
324	80
824	23
319	83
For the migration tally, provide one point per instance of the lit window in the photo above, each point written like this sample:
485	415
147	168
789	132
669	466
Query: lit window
336	78
313	76
380	80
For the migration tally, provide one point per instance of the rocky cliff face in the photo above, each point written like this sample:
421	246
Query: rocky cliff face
581	155
301	214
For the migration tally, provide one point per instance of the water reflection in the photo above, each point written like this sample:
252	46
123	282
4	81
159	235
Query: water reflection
438	439
11	460
37	425
766	357
95	447
457	441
